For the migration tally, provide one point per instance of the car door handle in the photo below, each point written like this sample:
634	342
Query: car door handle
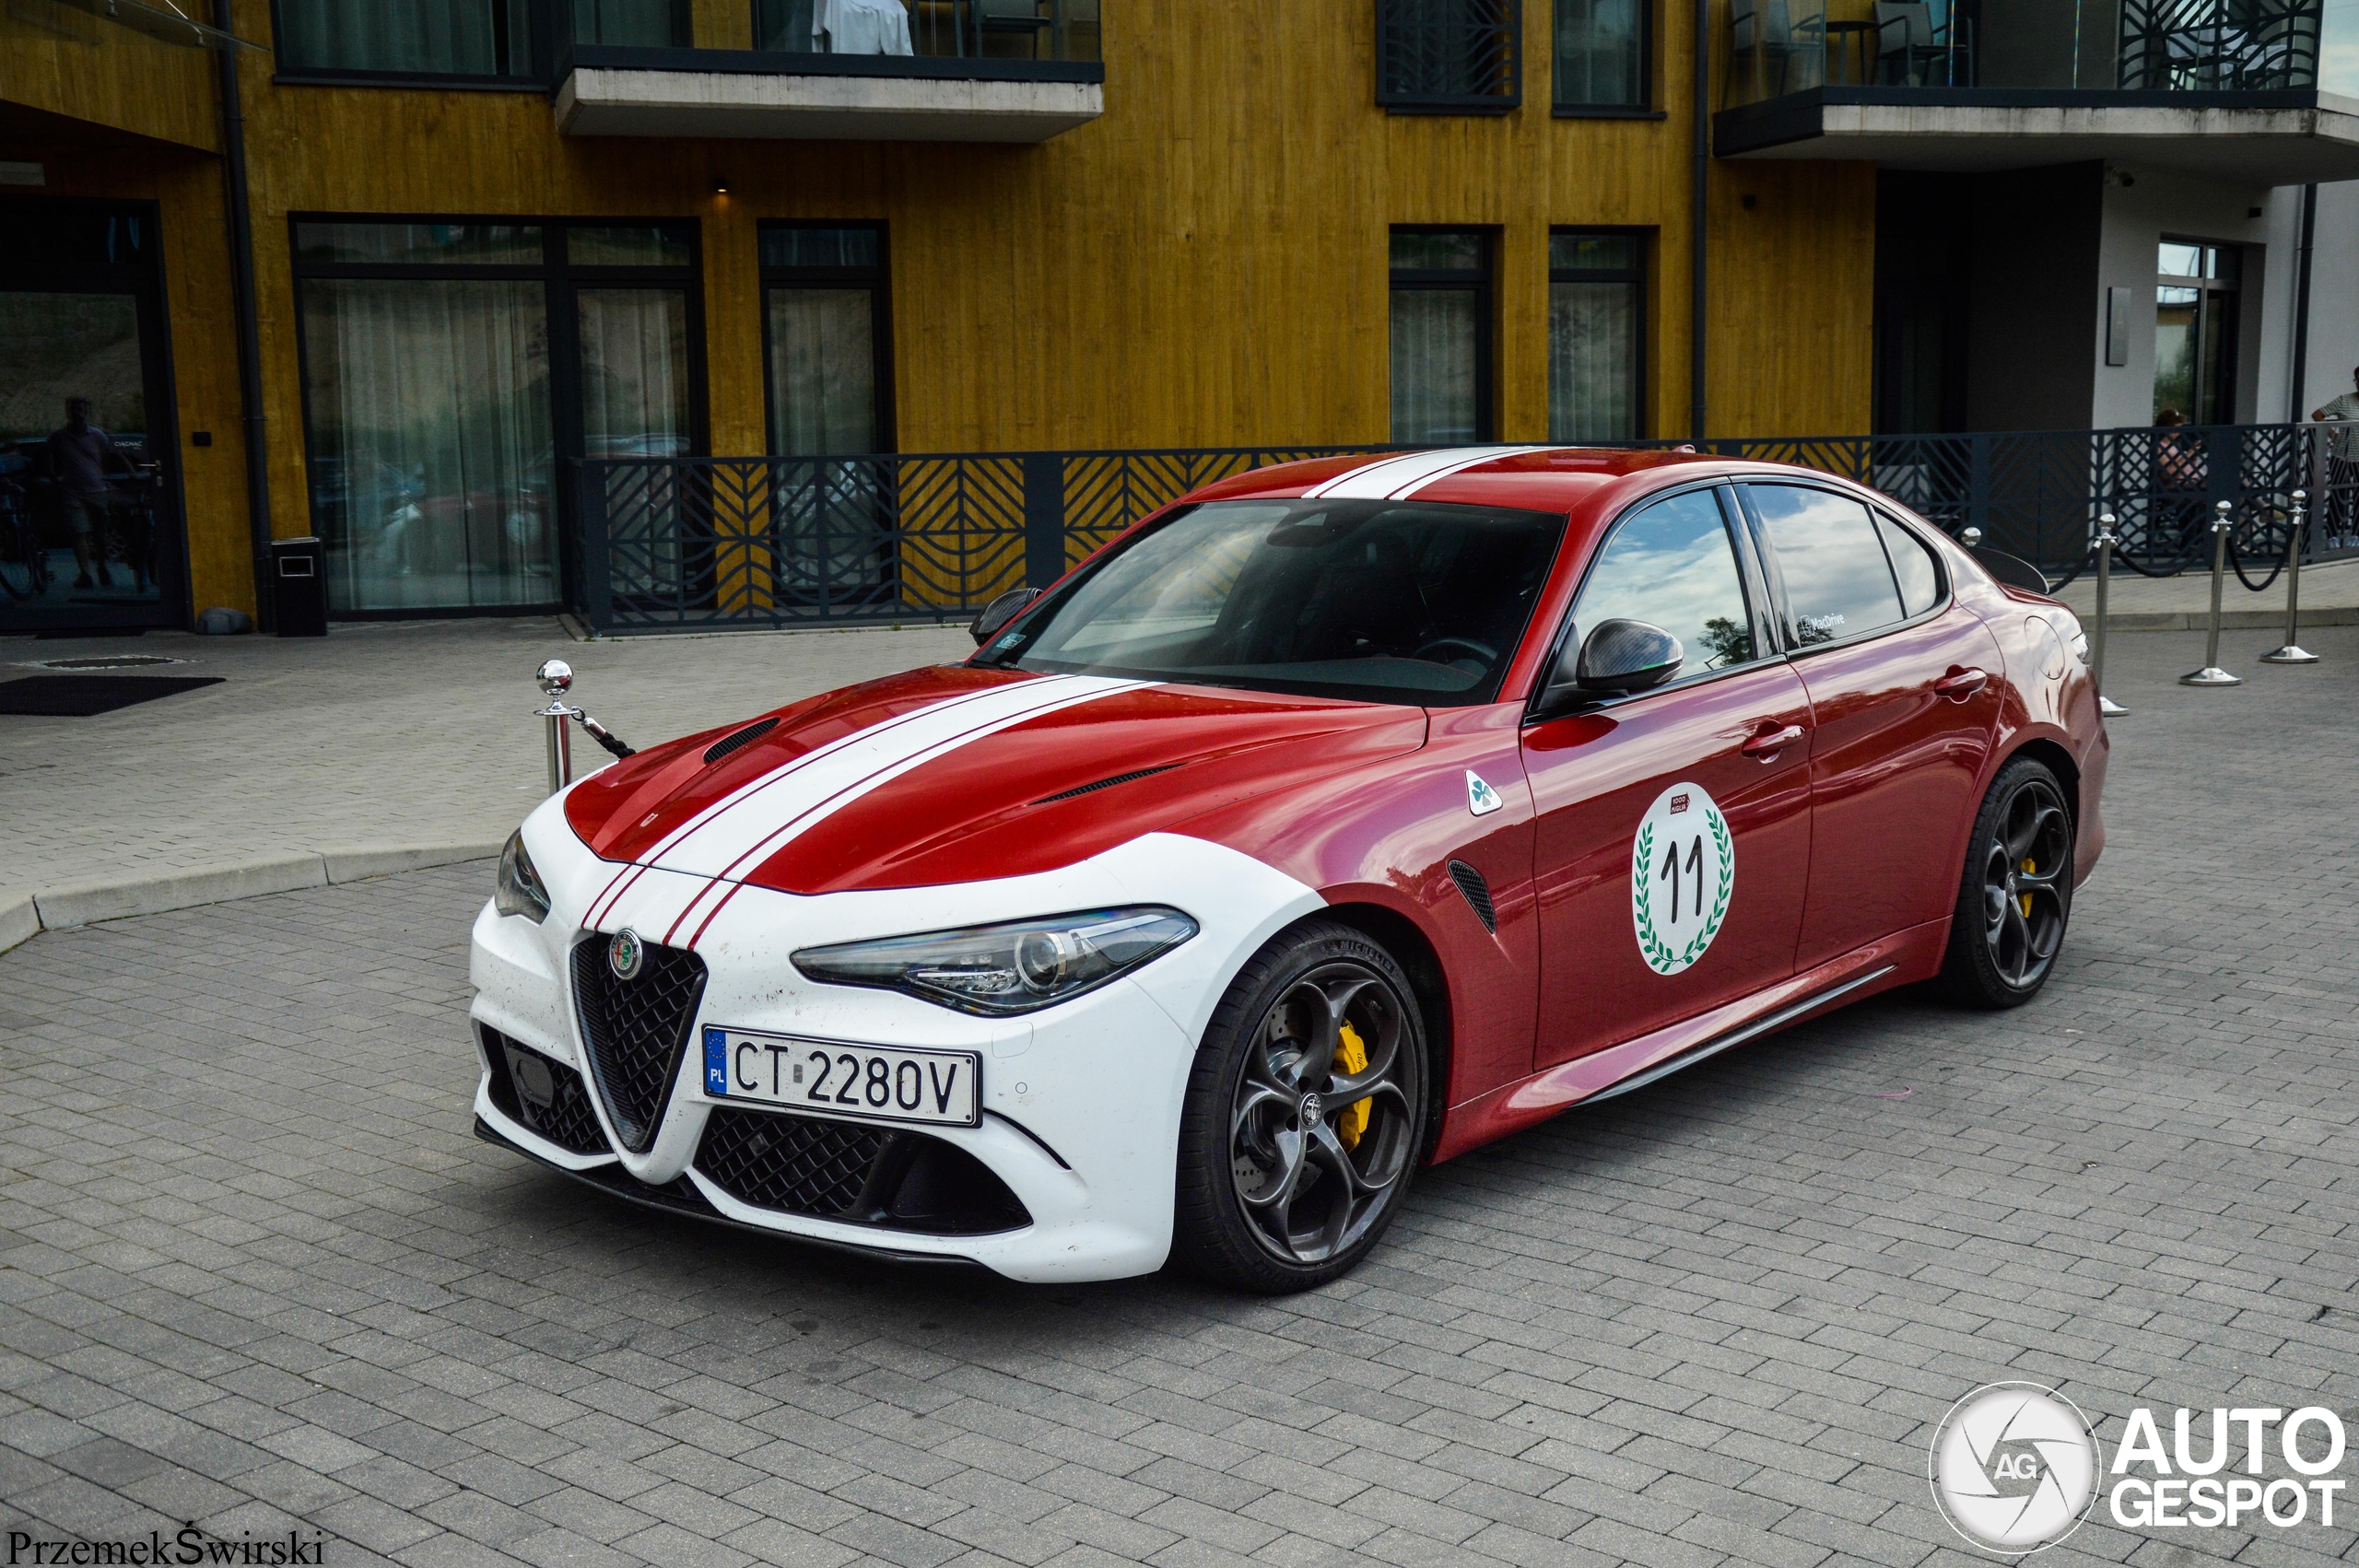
1960	682
1765	746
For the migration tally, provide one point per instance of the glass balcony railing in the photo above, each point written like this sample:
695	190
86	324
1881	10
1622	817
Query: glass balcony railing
984	30
1776	47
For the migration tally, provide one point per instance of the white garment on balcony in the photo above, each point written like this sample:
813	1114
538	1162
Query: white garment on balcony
860	26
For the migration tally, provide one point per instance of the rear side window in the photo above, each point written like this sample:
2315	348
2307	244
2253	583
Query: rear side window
1837	581
1912	563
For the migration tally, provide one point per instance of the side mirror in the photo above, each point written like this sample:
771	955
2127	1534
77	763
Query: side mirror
1620	657
999	612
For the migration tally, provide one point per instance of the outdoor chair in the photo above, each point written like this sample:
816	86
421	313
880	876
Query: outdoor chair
1912	51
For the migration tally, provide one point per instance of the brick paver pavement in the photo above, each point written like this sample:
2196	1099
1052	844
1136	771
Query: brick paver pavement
379	734
257	1274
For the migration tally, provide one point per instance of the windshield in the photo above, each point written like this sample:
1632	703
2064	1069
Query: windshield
1379	600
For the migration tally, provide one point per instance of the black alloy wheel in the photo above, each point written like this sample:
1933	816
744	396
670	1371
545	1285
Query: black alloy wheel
2016	897
1304	1114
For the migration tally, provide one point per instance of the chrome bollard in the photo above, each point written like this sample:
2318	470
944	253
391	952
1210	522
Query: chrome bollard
2294	652
2107	706
556	678
2211	675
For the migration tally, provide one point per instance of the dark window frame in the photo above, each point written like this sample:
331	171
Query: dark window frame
1484	283
1648	107
877	280
544	18
2224	295
1393	34
560	280
1637	276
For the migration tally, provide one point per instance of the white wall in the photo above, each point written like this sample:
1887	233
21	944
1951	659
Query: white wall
2154	203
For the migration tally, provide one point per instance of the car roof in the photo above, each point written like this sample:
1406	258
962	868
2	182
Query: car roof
1539	478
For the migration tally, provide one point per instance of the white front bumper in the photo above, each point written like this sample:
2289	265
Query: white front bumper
1081	1101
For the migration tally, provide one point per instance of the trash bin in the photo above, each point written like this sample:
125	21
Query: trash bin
299	588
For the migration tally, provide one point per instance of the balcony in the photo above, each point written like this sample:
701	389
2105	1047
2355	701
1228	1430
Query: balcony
854	70
2259	91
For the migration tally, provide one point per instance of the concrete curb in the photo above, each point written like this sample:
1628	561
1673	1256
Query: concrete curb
22	915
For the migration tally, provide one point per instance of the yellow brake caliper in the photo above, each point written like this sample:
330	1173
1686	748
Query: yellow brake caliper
1351	1055
2025	896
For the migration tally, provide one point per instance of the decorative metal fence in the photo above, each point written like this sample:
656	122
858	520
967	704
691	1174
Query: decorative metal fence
682	544
1449	56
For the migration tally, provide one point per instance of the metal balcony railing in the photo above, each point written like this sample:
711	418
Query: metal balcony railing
677	543
1449	56
1776	47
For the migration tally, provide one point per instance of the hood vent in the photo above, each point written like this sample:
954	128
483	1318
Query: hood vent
1478	893
746	737
1105	783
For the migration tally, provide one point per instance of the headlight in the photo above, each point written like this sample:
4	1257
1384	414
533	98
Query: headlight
519	889
1015	966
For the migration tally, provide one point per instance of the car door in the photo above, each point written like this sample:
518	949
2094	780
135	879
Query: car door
1904	683
1672	839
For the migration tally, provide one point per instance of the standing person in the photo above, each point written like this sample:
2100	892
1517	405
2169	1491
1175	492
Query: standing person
79	456
2343	461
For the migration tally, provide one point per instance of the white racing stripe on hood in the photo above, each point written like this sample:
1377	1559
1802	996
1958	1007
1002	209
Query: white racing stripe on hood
603	907
1396	478
757	822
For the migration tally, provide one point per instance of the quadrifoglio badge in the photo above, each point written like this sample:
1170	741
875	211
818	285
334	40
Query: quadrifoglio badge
1682	869
2016	1468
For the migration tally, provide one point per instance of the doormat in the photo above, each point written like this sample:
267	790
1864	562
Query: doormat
79	697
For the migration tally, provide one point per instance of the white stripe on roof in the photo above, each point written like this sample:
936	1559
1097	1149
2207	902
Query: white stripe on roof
1396	478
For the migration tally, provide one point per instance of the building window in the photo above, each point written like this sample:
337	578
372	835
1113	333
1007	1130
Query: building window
406	38
638	24
451	372
1441	336
2195	333
1596	326
823	316
1601	55
1449	56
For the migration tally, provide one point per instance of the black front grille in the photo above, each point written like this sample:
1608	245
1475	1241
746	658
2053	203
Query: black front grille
841	1170
635	1029
546	1096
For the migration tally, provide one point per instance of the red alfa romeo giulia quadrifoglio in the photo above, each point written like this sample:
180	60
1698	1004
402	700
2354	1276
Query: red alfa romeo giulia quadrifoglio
1330	822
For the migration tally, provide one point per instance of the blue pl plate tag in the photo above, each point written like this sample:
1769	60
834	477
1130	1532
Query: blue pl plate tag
716	1061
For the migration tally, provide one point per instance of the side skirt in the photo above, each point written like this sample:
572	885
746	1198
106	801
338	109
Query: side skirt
1912	955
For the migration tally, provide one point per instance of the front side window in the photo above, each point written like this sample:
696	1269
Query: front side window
1596	316
1377	601
1838	583
1672	565
409	38
1441	336
1600	55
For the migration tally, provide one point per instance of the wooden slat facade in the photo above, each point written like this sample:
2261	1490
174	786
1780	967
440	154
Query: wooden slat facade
1204	265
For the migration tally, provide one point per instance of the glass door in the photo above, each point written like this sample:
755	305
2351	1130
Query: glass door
90	525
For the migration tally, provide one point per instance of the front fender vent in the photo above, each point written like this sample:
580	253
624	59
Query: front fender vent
1478	895
1105	784
746	737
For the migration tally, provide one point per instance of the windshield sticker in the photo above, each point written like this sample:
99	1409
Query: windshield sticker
1683	869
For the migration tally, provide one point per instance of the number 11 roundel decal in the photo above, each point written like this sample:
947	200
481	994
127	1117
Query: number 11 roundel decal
1682	869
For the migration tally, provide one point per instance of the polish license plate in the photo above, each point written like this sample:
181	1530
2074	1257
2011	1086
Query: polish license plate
829	1077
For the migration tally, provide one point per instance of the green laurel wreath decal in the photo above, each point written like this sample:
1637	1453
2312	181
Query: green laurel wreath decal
1659	955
